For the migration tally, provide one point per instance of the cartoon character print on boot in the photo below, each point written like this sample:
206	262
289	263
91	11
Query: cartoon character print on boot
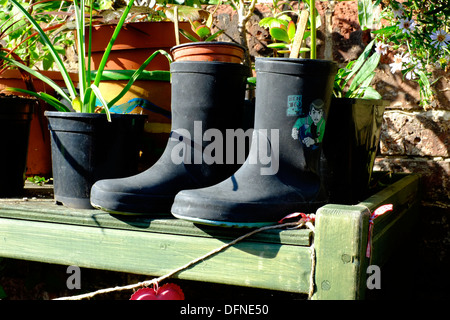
310	129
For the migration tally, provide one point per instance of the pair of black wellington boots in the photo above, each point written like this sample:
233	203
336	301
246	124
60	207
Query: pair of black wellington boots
217	171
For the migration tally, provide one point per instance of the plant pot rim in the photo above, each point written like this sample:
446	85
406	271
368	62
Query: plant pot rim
19	105
141	23
295	60
295	66
63	114
15	97
207	44
209	51
207	67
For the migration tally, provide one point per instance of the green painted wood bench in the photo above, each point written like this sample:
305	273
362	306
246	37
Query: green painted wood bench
39	230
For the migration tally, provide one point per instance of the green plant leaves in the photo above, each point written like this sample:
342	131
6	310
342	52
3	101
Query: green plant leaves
41	95
203	31
49	45
371	93
187	35
366	13
88	91
280	34
136	75
214	35
359	74
99	96
291	30
271	22
277	45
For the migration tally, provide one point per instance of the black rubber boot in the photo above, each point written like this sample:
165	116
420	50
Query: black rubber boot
205	95
281	174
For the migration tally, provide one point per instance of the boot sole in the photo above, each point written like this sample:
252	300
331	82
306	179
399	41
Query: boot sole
125	213
236	215
224	223
136	205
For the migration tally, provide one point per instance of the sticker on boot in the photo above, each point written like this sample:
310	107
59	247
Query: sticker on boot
294	106
310	129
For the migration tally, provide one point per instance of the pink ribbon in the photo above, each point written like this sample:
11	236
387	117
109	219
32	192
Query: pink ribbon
304	217
378	212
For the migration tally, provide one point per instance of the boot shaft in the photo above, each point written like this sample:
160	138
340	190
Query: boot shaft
210	92
208	100
292	100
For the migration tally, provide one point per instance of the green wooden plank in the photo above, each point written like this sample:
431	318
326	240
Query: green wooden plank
401	193
392	228
248	263
342	234
394	235
340	238
39	210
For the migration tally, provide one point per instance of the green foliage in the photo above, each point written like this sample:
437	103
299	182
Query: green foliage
202	31
38	180
280	16
282	28
82	100
411	32
201	27
366	14
354	80
18	35
285	34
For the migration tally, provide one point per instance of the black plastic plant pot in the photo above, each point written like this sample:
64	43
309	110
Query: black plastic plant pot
15	118
350	146
86	148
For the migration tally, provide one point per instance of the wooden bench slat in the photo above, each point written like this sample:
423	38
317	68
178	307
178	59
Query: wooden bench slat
248	263
341	238
48	211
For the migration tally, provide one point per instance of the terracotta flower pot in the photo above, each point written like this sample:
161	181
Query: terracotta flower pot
134	44
209	51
